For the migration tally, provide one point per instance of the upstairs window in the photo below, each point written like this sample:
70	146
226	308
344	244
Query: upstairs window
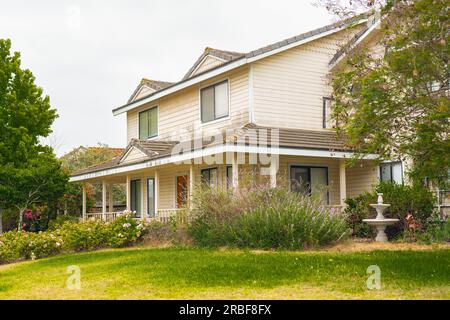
214	102
148	124
327	113
392	172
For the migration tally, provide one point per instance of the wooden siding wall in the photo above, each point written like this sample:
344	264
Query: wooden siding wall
289	87
208	63
361	177
181	112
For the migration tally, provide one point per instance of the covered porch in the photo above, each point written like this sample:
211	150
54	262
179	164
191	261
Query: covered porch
162	191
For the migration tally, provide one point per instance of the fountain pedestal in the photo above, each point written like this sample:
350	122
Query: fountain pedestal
380	222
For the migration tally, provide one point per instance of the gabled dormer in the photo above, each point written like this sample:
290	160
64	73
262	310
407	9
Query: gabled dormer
147	87
210	59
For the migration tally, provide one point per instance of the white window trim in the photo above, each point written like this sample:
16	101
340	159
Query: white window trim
157	123
204	124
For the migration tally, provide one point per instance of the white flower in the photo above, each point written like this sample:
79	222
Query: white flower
33	257
58	244
52	236
139	226
126	225
120	235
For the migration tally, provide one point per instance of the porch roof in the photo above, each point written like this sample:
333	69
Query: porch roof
306	142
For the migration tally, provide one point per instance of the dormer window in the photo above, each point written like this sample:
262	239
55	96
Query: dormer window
214	102
148	123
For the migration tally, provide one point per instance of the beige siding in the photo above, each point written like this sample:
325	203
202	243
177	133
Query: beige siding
180	112
208	63
289	87
134	155
144	91
361	177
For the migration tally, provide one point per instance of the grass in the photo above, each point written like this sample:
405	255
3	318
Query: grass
187	273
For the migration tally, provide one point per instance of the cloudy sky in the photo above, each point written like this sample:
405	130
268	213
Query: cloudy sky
90	55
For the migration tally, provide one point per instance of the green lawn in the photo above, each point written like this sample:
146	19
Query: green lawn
174	273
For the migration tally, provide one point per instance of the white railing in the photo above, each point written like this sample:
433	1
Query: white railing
169	215
107	216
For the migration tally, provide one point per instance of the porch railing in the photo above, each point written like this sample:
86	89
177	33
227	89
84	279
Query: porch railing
107	216
163	215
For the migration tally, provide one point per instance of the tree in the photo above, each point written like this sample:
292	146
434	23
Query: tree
30	174
397	105
81	158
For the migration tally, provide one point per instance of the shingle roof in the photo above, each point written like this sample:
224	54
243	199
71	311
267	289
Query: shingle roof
153	84
288	138
221	54
234	56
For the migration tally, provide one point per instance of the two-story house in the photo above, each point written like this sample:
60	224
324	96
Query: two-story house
266	111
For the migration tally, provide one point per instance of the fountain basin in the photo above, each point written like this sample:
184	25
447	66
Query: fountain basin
380	225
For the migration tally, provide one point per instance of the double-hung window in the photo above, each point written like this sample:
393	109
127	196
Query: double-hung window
214	102
210	177
392	172
310	181
148	123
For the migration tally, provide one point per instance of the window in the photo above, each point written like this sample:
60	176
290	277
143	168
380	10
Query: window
392	172
148	123
209	177
214	102
136	197
311	181
327	113
229	177
151	197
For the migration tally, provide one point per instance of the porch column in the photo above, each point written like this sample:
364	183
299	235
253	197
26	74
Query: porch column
342	182
111	198
128	193
273	171
235	170
191	184
83	211
156	192
104	200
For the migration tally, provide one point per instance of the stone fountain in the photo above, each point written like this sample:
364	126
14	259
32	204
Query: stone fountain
380	222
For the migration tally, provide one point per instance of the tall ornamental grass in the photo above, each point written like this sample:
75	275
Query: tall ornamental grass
262	217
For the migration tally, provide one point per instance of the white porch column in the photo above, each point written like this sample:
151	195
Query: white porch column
191	184
83	211
342	182
156	191
104	200
128	193
273	171
235	170
110	198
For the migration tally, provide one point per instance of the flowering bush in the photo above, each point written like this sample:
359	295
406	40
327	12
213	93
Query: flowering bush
71	237
125	230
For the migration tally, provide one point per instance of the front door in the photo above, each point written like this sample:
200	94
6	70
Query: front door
182	191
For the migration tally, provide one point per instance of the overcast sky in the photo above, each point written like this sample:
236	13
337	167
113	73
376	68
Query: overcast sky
90	55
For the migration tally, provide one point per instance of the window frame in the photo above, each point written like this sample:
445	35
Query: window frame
229	177
209	170
133	199
391	171
324	112
309	167
213	85
139	123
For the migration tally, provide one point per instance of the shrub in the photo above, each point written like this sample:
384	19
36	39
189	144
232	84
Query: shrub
60	220
403	199
71	237
261	217
124	231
